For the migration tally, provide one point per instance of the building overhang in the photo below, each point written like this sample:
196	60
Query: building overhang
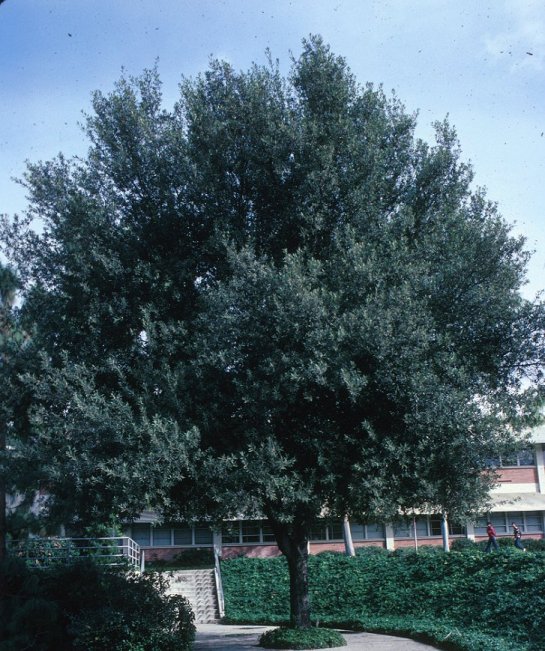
537	435
518	502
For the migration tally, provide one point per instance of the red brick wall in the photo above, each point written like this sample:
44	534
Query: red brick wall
252	551
161	553
436	541
269	551
534	536
518	476
317	547
256	551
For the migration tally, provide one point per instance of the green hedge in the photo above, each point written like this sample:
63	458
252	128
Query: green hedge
462	595
290	638
87	607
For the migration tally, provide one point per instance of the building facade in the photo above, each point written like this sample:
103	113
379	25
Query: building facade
518	497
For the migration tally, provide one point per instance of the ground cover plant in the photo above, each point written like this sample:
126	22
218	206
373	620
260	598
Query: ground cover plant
462	600
292	638
87	607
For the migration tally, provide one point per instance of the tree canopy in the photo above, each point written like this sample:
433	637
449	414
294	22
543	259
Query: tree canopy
272	299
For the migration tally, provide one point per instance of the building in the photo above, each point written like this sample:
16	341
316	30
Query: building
519	497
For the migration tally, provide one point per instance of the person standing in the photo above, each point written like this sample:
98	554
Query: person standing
492	542
518	537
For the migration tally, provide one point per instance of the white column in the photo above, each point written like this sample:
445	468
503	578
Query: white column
389	533
470	531
540	467
216	540
444	533
347	535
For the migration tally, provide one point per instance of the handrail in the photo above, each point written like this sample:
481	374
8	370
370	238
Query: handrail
106	550
219	584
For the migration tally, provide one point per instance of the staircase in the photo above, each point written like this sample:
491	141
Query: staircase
199	588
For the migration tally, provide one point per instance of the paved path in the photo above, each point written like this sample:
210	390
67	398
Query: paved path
221	637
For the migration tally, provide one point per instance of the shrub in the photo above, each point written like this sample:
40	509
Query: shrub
499	595
84	606
293	638
188	558
505	542
463	544
533	545
195	558
28	618
372	550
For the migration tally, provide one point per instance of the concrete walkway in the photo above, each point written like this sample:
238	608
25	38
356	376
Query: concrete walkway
221	637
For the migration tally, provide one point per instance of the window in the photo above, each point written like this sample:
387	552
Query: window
203	535
405	528
526	458
324	532
402	530
426	526
357	530
435	525
374	530
528	521
268	535
230	533
318	532
141	534
251	532
183	535
162	536
179	534
533	521
511	459
498	522
335	531
456	529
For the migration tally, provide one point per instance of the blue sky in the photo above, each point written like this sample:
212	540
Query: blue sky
482	63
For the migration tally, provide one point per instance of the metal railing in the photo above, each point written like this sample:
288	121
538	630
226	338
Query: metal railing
219	584
44	552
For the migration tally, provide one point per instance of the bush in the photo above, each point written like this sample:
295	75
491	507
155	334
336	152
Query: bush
85	607
499	595
533	545
195	558
372	550
463	544
293	638
188	558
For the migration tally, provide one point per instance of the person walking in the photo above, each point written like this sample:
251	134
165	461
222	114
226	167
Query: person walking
492	542
518	537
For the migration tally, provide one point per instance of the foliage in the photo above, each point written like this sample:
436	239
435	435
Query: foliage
290	638
272	299
43	552
84	606
188	558
13	402
533	545
461	595
435	633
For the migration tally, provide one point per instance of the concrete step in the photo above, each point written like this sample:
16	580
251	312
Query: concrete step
199	588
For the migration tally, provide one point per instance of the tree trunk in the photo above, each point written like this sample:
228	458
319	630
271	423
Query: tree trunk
444	532
293	543
347	535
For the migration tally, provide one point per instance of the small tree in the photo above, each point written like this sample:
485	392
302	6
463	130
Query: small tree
274	301
8	285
